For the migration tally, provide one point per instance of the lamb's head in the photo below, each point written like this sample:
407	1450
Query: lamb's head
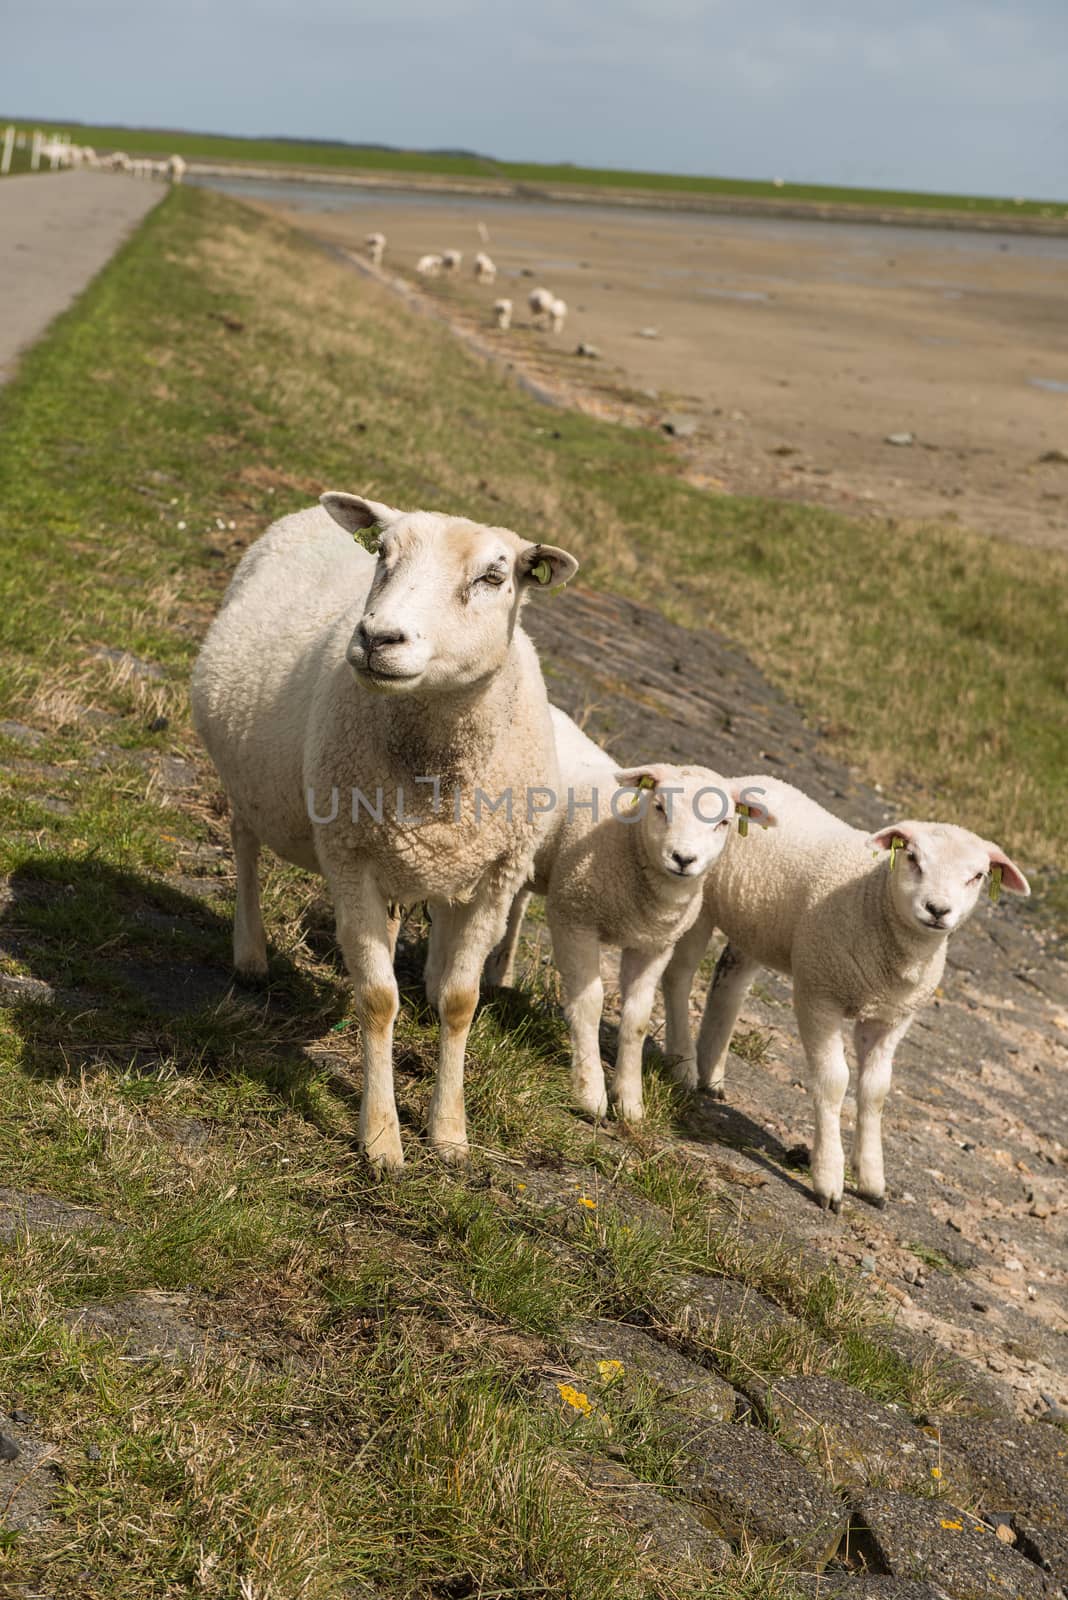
445	597
685	815
939	871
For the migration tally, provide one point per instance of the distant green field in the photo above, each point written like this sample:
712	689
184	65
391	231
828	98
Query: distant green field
356	158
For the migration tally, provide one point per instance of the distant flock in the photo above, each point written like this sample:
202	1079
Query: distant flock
547	309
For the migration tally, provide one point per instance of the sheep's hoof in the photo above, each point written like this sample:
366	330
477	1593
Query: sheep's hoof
715	1091
628	1110
876	1200
384	1161
451	1151
828	1202
251	976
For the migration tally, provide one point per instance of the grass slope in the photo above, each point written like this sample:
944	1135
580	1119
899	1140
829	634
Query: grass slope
359	1410
354	157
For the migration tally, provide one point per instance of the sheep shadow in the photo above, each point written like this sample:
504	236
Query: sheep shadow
122	968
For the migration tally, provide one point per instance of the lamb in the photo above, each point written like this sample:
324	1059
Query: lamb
541	302
625	870
558	315
485	268
428	266
376	247
328	672
451	260
864	939
502	311
176	168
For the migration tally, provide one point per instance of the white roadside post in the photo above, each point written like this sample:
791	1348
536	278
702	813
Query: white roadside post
9	147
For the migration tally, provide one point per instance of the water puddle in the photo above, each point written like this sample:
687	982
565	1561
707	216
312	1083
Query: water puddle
1054	385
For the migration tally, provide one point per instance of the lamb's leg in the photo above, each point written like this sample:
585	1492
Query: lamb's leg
577	953
462	937
677	985
250	941
363	930
820	1027
500	968
875	1043
639	971
726	995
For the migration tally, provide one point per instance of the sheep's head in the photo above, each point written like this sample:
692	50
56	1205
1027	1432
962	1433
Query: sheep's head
685	815
446	593
938	871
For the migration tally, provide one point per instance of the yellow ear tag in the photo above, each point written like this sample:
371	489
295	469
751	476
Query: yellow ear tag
895	846
995	885
743	819
542	572
645	782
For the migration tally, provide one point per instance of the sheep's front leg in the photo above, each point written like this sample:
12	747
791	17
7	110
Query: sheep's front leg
250	940
462	936
500	968
726	995
677	986
363	930
577	952
639	972
820	1027
875	1043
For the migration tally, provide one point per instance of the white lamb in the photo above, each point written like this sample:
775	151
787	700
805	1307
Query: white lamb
502	311
451	260
485	268
558	315
860	922
376	247
176	168
541	302
428	266
623	865
406	686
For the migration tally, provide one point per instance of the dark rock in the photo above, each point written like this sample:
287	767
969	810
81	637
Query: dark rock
680	426
22	734
675	1532
1020	1468
1054	458
851	1438
158	724
21	1416
28	1482
754	1490
14	988
147	1324
705	1305
44	1213
9	1450
911	1538
131	666
630	1353
844	1585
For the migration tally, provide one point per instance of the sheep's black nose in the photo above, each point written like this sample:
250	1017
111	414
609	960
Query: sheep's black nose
681	861
936	911
372	635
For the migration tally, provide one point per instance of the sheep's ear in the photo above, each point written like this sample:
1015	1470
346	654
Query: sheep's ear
640	777
352	512
1012	879
751	796
901	832
545	566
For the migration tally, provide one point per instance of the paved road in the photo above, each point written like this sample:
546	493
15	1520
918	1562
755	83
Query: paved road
56	231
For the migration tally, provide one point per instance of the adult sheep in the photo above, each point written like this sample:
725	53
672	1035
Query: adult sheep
863	935
376	247
485	268
363	715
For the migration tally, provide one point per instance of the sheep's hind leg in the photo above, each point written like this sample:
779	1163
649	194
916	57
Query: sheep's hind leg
500	966
828	1076
875	1043
363	930
730	985
577	953
250	940
677	984
638	974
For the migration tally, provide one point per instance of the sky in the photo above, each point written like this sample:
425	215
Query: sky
958	95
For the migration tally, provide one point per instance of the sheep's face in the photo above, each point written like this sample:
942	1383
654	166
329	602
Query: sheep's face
685	815
939	872
446	593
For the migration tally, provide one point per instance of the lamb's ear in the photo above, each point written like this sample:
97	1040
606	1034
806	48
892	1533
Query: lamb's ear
1012	879
751	795
640	777
901	831
352	512
545	566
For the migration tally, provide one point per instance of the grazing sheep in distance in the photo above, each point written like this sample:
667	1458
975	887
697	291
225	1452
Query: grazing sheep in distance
863	937
366	717
541	302
451	260
376	247
176	168
485	269
623	869
428	266
558	315
502	311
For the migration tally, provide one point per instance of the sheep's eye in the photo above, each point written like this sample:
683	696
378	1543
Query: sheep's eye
978	878
659	804
493	576
912	859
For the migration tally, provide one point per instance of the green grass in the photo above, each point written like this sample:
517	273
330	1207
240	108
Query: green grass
356	157
363	1413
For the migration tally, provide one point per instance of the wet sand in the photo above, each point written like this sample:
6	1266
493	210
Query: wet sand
798	347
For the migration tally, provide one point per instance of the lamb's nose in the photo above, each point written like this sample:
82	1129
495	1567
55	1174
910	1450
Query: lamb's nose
682	861
374	635
936	911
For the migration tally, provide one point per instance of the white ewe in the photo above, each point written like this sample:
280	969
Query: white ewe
485	269
558	315
176	168
406	686
451	260
376	247
428	266
541	302
863	936
502	312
